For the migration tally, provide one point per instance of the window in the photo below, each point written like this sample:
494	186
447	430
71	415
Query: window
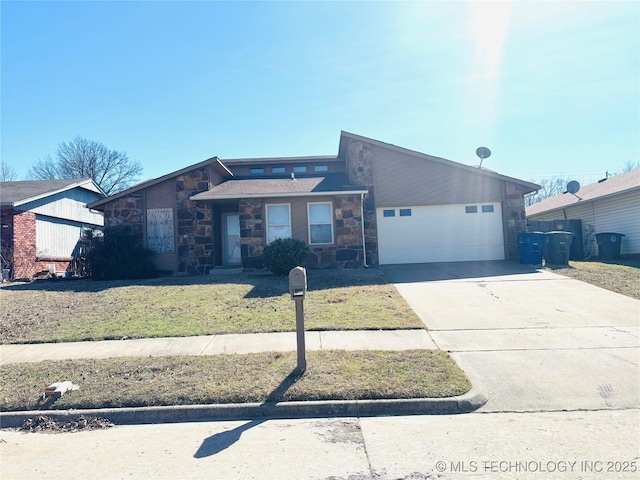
299	169
471	209
320	223
405	212
277	170
321	168
487	208
257	171
160	230
278	222
388	213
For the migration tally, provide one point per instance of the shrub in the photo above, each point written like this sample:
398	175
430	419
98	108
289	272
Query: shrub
281	255
119	255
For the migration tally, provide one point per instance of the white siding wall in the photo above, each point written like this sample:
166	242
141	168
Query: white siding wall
69	205
619	214
56	238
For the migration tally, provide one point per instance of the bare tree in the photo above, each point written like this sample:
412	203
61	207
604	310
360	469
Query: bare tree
550	187
628	166
44	169
7	172
82	158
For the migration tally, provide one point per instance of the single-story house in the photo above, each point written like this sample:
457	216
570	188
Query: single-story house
610	205
372	203
43	221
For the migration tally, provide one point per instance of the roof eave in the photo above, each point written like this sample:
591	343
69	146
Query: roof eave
215	161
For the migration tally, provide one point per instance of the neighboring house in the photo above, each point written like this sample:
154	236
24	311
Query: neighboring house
372	203
43	221
610	205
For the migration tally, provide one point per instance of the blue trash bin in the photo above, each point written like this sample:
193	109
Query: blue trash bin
531	246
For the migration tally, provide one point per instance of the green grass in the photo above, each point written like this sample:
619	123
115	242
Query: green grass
620	276
63	311
134	382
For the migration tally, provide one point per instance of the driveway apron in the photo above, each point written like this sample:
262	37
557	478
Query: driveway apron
531	339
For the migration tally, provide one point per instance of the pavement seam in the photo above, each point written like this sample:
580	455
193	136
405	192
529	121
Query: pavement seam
204	349
541	349
366	451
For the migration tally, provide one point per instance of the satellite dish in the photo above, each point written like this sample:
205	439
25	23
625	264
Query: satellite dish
482	152
573	187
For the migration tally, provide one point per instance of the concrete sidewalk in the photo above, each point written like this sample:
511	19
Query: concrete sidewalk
219	344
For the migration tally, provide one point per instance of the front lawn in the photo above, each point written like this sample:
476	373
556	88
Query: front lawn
620	276
331	375
76	310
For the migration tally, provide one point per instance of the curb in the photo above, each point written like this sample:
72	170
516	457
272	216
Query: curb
466	403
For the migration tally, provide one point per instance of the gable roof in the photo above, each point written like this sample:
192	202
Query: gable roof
214	161
13	194
618	184
346	136
280	187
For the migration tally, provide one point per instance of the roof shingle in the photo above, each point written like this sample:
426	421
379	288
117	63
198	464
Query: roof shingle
276	187
15	193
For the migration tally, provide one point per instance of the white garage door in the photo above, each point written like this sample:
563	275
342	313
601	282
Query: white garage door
442	233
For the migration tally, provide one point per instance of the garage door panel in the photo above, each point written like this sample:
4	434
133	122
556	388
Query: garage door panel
442	233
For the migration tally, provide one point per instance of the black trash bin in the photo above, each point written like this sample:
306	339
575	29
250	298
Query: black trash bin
558	247
531	246
609	245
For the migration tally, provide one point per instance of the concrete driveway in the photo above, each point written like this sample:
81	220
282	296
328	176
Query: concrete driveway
533	340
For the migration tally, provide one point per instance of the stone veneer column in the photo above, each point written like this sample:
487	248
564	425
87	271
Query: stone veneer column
251	232
195	224
360	164
347	210
514	213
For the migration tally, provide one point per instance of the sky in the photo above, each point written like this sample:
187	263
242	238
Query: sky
552	88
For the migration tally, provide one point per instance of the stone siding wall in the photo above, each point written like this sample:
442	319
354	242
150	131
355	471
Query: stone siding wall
127	210
194	224
347	251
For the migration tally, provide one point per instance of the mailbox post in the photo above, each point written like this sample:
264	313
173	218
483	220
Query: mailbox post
298	290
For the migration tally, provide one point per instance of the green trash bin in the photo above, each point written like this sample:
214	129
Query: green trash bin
557	248
609	245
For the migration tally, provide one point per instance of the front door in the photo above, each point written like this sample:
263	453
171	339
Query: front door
231	239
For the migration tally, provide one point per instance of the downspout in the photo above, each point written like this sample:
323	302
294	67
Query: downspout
364	245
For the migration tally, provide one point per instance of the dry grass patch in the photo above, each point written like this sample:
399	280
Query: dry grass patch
331	375
63	311
620	276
